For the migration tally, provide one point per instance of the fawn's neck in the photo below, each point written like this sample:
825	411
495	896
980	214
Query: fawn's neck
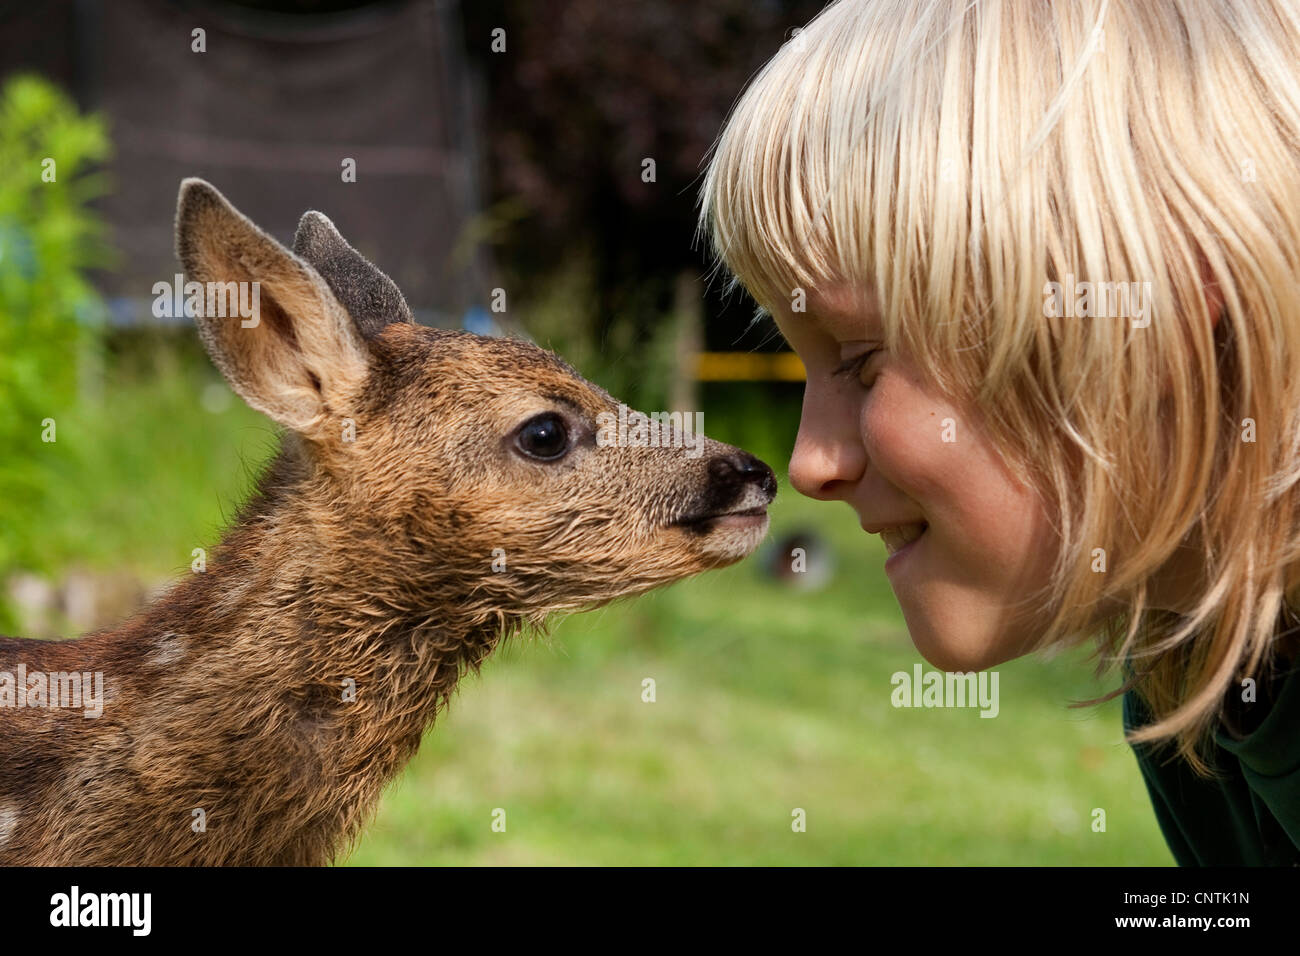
277	692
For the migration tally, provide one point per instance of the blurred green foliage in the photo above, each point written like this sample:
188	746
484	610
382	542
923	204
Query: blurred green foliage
154	469
51	319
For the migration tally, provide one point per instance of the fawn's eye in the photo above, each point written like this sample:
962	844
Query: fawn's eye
544	437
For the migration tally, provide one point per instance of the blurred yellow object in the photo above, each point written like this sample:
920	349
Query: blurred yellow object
749	366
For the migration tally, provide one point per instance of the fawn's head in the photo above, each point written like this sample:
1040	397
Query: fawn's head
456	465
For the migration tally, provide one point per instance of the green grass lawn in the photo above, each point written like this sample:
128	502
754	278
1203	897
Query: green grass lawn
767	699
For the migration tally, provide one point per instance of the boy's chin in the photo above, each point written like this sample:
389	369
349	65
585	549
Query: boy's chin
969	654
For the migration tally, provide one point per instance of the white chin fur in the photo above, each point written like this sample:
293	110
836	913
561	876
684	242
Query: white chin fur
734	537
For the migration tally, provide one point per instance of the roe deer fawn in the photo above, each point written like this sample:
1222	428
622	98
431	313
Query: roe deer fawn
434	492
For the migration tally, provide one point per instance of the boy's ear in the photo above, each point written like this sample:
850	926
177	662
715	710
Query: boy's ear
294	353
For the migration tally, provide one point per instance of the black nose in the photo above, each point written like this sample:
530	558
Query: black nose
741	468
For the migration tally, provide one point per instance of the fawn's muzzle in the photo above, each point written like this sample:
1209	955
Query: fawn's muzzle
739	488
736	471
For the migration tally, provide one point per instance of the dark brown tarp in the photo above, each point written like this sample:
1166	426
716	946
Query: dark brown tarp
268	114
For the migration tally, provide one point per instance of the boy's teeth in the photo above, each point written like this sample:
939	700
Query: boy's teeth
896	538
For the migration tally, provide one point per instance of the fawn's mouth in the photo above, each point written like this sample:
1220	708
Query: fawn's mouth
703	524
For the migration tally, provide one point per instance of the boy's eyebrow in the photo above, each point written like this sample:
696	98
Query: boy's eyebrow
841	301
840	318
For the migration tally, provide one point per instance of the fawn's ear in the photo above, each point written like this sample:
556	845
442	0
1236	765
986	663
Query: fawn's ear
371	298
298	358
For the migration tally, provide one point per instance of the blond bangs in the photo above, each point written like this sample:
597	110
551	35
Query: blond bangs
960	160
861	154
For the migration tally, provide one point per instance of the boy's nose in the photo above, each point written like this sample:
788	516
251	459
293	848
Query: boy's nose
740	468
822	470
829	456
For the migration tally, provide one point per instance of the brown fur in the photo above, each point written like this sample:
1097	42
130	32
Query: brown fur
368	560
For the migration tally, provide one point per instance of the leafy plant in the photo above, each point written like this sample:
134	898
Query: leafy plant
51	319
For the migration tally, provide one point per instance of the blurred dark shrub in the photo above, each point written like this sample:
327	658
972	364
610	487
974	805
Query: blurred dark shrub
583	95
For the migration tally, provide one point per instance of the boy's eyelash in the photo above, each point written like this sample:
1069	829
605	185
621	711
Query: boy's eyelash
852	366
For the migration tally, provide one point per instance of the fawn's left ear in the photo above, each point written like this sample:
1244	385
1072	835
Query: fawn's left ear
299	358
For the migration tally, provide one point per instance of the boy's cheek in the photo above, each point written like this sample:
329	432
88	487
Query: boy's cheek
914	441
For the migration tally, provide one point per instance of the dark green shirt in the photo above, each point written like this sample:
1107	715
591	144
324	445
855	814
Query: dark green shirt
1249	814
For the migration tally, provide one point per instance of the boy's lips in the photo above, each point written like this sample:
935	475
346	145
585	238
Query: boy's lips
900	546
900	537
896	534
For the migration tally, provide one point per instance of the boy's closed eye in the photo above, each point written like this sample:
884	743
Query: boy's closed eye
855	364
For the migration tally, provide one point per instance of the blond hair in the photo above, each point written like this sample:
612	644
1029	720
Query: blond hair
957	156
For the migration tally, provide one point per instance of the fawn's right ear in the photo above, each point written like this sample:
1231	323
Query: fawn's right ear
299	358
371	298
